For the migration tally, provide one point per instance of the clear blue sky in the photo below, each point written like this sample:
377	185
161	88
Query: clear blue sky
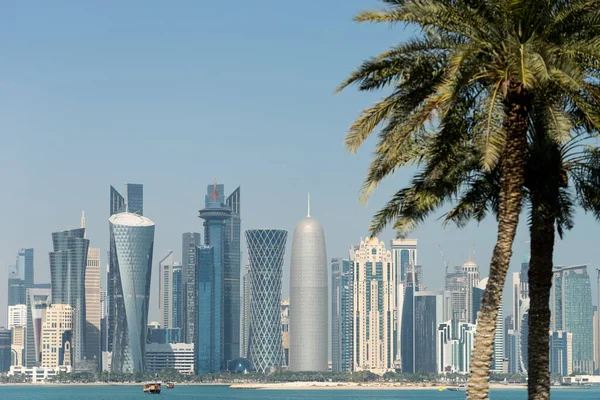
176	94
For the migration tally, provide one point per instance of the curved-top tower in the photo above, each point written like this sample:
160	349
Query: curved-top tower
132	238
308	297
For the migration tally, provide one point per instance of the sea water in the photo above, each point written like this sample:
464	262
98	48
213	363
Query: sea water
223	392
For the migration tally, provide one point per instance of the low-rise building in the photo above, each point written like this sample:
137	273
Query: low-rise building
179	356
38	374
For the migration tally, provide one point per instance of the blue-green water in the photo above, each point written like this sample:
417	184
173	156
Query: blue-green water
223	392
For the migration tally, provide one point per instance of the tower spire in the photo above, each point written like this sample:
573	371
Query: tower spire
83	221
308	214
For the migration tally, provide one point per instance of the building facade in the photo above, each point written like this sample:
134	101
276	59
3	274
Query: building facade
232	270
17	346
455	344
178	356
92	307
190	242
5	349
374	308
471	271
285	331
561	353
68	264
208	345
16	287
170	293
57	336
571	300
428	312
25	266
132	241
17	316
38	301
341	315
266	248
308	297
246	315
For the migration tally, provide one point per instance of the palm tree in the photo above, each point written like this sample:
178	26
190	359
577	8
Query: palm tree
469	79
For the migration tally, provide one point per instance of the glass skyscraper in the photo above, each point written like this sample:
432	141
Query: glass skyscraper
5	355
341	315
573	312
404	253
132	241
38	300
207	343
135	198
25	267
16	287
169	287
428	314
190	242
67	278
265	253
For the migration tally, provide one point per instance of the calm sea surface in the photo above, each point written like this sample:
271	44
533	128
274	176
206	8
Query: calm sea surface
221	392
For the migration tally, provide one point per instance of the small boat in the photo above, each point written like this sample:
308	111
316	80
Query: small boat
152	387
170	385
461	388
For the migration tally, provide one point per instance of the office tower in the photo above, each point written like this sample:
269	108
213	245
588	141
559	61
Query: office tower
135	198
573	311
524	336
170	295
178	356
265	255
341	315
103	322
595	325
132	241
407	350
285	331
92	306
67	275
208	344
17	316
455	283
38	301
231	277
428	311
374	327
508	326
25	266
163	335
246	314
308	297
190	241
57	334
404	253
17	346
455	342
16	287
5	349
561	353
471	271
476	298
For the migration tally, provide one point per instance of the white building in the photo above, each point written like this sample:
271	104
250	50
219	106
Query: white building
57	333
38	374
471	271
179	356
455	347
375	326
17	316
92	306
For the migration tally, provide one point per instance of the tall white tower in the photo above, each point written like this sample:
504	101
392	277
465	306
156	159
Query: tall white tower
308	297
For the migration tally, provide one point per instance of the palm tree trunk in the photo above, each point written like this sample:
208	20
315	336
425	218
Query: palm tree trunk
540	283
509	207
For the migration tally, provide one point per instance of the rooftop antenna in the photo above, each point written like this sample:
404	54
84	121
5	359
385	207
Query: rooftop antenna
308	215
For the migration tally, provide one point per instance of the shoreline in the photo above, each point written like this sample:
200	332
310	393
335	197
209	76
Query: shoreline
354	386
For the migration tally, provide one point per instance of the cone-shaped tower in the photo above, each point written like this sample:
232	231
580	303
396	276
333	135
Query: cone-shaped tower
308	297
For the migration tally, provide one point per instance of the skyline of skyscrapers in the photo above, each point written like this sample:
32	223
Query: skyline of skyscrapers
132	240
266	248
309	293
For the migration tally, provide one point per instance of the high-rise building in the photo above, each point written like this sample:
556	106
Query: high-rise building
232	264
170	293
374	326
246	313
455	283
476	298
308	297
455	342
57	334
571	300
17	316
17	346
68	264
404	253
132	241
428	311
103	322
407	345
92	307
285	331
190	242
5	349
266	248
561	353
16	287
595	338
207	344
38	301
135	198
341	315
471	271
25	266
